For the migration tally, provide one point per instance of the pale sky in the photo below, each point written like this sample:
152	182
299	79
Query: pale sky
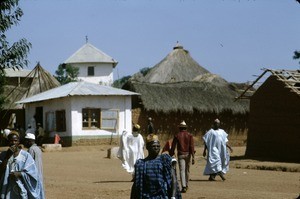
231	38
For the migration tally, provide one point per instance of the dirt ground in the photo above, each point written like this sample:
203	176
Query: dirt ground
85	172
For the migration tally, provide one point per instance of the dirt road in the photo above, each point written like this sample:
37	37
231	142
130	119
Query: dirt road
87	173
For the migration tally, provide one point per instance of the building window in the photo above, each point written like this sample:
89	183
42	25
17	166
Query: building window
91	118
109	119
60	117
94	118
91	71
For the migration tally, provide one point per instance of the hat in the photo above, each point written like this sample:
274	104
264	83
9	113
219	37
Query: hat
182	124
151	138
150	119
6	132
217	120
136	127
13	133
30	136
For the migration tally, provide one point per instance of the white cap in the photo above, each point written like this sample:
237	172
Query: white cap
217	120
30	136
6	132
182	124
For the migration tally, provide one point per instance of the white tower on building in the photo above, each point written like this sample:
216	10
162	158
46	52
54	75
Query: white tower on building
94	65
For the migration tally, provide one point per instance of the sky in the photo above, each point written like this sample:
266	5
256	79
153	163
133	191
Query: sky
234	39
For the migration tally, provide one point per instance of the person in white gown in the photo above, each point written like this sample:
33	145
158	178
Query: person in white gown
216	143
123	150
131	148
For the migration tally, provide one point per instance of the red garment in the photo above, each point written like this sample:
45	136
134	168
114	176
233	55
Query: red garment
56	139
167	146
184	142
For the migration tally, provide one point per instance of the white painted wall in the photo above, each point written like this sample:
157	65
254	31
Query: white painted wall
103	73
73	107
51	106
122	103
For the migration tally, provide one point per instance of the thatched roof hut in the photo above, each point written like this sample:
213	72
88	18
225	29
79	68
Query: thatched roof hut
178	87
20	85
36	81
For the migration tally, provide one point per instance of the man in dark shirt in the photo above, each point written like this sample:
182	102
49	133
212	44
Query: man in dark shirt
185	150
150	126
155	176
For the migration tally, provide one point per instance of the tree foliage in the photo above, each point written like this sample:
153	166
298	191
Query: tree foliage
297	55
145	70
11	55
66	73
15	55
120	82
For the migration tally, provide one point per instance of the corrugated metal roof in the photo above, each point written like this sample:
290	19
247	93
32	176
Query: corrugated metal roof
90	54
76	89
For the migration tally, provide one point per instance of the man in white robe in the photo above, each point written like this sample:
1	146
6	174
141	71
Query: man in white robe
36	154
131	148
123	150
18	172
215	141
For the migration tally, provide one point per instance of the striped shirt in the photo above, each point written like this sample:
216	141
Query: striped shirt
153	179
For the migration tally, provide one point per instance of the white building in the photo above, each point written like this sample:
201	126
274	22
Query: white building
82	110
94	65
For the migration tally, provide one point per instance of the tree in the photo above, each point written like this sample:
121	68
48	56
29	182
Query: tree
145	70
11	56
66	73
297	55
120	82
15	55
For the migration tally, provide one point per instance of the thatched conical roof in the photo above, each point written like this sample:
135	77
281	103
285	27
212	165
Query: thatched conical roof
178	66
178	83
37	81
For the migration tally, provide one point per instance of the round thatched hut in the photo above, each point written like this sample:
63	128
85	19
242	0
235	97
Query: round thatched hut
178	88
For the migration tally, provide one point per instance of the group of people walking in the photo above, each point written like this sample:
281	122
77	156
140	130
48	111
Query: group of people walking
156	177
